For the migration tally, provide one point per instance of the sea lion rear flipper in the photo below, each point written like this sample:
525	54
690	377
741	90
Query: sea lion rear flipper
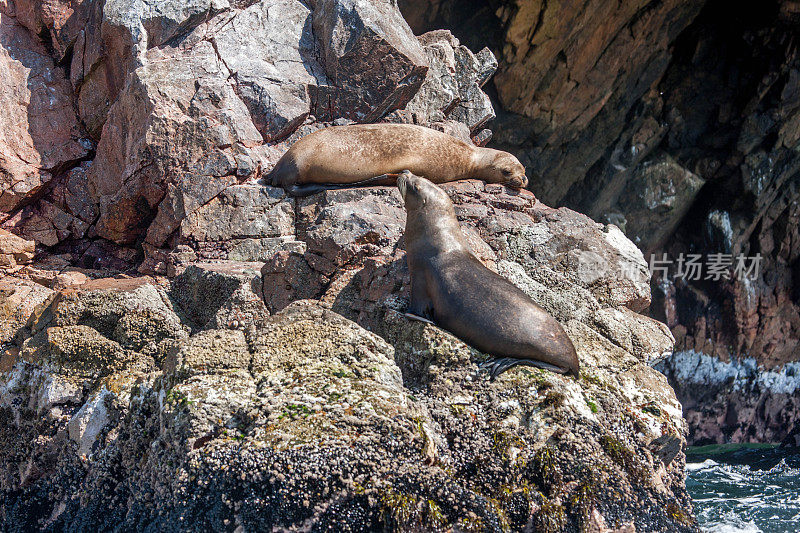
501	364
383	179
307	189
412	316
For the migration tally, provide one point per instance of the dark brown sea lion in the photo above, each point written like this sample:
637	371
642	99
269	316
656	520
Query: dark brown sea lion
373	154
454	290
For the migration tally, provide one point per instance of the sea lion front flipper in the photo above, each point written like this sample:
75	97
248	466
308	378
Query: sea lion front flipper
307	189
501	364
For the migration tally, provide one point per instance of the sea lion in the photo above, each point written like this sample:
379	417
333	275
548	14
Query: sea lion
453	289
374	154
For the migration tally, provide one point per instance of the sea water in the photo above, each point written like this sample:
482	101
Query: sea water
745	488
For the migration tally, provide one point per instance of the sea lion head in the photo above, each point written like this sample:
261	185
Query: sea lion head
504	168
417	192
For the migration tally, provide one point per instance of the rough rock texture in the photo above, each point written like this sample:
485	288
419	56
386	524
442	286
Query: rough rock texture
736	401
181	108
39	132
15	250
190	417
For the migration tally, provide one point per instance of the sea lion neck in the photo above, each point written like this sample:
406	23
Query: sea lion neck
440	226
479	159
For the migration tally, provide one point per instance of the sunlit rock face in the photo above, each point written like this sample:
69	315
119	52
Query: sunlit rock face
248	394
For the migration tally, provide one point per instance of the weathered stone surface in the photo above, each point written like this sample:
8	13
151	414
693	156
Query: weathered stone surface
571	72
250	212
39	132
309	404
656	200
735	401
66	211
451	89
270	49
178	117
220	296
109	306
222	416
79	351
18	299
374	63
209	351
15	250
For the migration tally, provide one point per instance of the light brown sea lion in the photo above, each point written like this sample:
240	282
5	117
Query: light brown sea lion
373	154
453	289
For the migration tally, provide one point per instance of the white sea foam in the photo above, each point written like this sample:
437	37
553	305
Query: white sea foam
744	374
708	463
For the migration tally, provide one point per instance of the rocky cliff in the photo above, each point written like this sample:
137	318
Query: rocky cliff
186	348
677	121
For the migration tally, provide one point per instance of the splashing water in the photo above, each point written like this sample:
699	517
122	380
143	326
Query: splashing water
745	489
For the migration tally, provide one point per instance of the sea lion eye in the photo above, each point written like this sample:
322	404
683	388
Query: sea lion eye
506	172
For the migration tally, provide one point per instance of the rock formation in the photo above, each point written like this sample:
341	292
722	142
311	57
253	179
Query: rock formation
294	393
183	347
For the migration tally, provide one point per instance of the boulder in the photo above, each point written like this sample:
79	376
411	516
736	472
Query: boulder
220	296
15	250
373	62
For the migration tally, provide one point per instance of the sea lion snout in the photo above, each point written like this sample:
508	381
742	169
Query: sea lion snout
402	183
518	182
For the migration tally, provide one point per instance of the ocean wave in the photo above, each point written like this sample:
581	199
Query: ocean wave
708	463
731	496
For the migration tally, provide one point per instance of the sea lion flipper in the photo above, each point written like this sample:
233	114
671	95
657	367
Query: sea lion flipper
382	179
307	189
501	364
412	316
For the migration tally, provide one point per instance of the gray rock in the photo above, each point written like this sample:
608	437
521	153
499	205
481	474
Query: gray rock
658	196
88	423
374	63
269	48
452	88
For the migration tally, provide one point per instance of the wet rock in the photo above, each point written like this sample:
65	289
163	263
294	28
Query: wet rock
735	401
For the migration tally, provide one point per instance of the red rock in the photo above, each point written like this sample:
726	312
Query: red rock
39	132
15	250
